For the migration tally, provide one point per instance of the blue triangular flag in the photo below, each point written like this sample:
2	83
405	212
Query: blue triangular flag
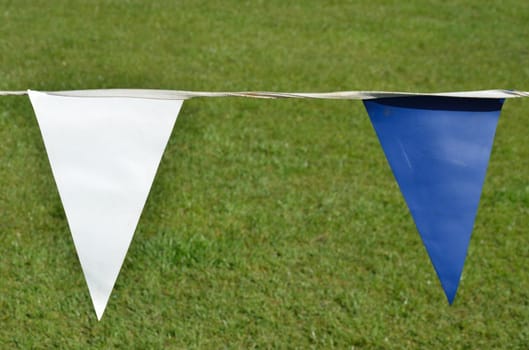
438	149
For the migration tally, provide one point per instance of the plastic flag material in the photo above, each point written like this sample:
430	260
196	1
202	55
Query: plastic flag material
438	149
104	153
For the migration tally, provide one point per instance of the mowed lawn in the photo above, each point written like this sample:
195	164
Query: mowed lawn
271	223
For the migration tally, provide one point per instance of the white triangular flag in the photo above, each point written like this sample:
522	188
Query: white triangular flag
104	153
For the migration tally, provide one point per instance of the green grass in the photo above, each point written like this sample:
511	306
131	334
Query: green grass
271	224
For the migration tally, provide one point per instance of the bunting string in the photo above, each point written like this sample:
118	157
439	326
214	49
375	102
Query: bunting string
337	95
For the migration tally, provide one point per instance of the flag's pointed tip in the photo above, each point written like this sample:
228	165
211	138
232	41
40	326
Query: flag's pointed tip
450	293
99	298
447	264
449	275
100	308
99	313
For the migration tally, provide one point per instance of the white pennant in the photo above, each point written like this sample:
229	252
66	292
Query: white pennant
104	153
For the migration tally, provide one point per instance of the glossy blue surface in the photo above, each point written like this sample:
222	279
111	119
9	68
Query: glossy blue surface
438	149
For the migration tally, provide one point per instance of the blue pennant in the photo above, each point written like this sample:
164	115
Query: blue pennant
438	149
